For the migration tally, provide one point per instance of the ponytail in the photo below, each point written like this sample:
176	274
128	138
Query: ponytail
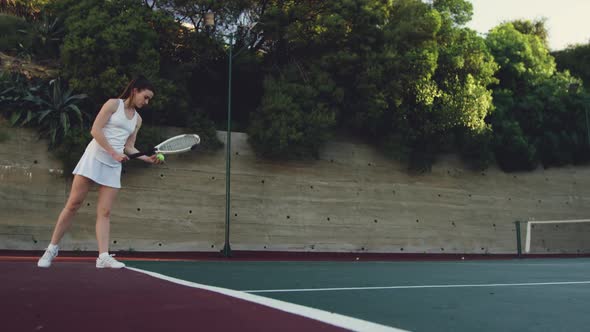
140	83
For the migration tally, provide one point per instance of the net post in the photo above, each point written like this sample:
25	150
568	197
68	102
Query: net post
518	239
527	246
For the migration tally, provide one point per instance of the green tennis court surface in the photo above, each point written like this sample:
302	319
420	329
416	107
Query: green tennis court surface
498	295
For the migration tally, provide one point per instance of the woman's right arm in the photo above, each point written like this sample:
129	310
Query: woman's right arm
101	120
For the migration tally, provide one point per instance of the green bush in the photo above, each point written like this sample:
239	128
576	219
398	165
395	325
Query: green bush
56	110
576	59
14	34
513	150
539	117
109	42
476	147
201	125
15	93
47	34
50	107
293	120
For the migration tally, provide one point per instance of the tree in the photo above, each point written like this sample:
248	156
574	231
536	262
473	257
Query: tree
538	117
449	73
108	43
294	118
523	58
576	59
533	28
458	11
405	74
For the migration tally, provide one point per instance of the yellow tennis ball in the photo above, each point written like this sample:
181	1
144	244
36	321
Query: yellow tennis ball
160	157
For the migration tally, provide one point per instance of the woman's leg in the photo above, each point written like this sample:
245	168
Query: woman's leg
80	187
106	198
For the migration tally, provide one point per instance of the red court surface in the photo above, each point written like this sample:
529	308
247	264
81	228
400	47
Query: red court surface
75	296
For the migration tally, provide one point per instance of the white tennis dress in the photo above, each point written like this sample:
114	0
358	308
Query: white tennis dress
96	163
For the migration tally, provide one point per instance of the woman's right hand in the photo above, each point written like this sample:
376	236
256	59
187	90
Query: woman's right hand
120	157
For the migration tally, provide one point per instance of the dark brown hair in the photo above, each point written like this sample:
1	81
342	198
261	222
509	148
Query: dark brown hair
140	83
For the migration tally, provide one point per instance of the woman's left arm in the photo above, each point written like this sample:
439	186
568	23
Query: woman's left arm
130	145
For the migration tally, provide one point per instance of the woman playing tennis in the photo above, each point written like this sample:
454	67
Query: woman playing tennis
114	132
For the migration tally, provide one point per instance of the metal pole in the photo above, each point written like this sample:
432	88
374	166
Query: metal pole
227	248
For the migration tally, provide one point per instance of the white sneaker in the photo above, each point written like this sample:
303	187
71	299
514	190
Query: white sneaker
48	256
108	262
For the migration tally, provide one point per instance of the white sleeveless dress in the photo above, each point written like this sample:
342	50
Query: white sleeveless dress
96	163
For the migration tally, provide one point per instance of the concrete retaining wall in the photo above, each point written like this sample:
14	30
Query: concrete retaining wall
351	199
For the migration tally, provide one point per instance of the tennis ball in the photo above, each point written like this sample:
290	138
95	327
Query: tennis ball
160	157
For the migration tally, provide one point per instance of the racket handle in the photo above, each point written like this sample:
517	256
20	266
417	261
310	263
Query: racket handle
139	154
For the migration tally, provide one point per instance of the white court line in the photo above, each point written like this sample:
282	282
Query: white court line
334	319
415	287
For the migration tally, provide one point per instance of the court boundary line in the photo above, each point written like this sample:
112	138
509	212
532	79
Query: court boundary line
556	283
327	317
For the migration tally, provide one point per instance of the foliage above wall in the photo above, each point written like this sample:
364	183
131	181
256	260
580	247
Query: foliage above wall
407	76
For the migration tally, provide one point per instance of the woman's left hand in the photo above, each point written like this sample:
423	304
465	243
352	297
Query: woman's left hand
153	159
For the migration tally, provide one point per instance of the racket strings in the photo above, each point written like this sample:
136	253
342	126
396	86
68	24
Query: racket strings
178	144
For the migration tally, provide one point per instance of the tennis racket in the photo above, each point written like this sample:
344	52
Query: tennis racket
176	144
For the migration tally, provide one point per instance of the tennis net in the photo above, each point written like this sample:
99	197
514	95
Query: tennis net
557	237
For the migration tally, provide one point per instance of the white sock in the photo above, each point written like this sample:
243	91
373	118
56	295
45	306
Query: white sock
53	247
103	255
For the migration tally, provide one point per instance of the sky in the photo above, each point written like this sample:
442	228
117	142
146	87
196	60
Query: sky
568	21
